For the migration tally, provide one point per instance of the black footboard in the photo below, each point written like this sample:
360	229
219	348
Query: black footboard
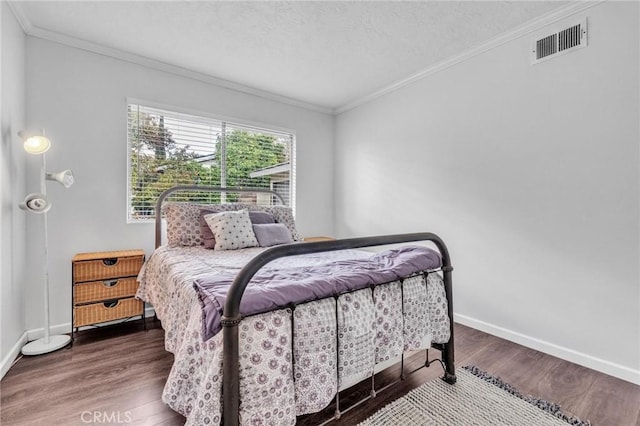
232	317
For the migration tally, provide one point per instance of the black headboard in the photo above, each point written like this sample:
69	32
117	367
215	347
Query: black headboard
202	188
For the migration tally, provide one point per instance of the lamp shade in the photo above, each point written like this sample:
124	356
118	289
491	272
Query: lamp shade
37	144
35	203
64	177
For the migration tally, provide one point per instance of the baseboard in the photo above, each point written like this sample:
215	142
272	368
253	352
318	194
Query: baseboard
598	364
601	365
65	328
8	360
37	333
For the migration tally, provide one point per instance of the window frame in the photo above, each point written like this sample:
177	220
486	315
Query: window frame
206	117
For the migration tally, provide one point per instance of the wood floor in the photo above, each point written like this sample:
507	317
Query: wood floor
116	376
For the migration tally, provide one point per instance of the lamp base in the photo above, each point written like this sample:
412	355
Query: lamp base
39	347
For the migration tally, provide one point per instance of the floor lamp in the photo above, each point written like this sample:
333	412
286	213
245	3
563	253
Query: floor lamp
39	204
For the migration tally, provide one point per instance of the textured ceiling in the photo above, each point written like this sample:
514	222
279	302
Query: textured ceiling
323	53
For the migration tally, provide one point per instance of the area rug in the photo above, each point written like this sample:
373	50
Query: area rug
477	398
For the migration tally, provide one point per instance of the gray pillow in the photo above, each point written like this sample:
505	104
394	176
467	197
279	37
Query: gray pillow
271	234
260	217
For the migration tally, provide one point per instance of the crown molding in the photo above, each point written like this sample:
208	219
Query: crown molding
144	61
529	27
22	19
172	69
520	31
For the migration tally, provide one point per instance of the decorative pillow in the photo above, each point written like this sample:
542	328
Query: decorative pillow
183	224
208	239
232	230
281	214
259	217
284	215
183	220
271	234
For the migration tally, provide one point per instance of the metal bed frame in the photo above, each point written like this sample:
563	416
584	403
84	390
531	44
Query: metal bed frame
231	316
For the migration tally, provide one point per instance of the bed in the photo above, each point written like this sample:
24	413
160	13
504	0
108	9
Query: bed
263	333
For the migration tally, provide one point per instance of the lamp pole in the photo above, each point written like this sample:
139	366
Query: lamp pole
48	343
43	191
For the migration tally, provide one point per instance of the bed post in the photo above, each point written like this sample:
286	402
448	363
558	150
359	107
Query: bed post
448	352
231	317
230	369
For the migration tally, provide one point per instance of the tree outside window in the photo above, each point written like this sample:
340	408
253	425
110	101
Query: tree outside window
168	149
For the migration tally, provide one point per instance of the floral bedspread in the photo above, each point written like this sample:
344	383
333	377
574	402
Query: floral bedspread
370	332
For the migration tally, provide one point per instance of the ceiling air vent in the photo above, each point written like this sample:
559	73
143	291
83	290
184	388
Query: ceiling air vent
560	42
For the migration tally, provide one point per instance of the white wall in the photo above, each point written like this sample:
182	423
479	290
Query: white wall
80	99
12	163
530	174
541	220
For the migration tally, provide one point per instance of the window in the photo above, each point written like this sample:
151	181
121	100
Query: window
168	148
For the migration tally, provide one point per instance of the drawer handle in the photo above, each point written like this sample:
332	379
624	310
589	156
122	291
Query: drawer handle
110	283
110	304
110	261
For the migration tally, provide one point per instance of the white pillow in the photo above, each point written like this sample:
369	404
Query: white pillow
232	230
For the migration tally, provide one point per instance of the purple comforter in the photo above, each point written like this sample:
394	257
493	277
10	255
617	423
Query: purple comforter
271	289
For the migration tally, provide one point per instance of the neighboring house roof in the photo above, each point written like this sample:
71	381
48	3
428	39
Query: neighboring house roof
271	170
206	160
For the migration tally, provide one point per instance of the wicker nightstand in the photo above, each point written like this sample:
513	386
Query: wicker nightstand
104	286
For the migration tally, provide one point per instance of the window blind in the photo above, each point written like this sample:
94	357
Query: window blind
168	148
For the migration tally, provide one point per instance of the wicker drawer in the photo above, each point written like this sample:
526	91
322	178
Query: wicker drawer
104	286
96	291
107	267
106	311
